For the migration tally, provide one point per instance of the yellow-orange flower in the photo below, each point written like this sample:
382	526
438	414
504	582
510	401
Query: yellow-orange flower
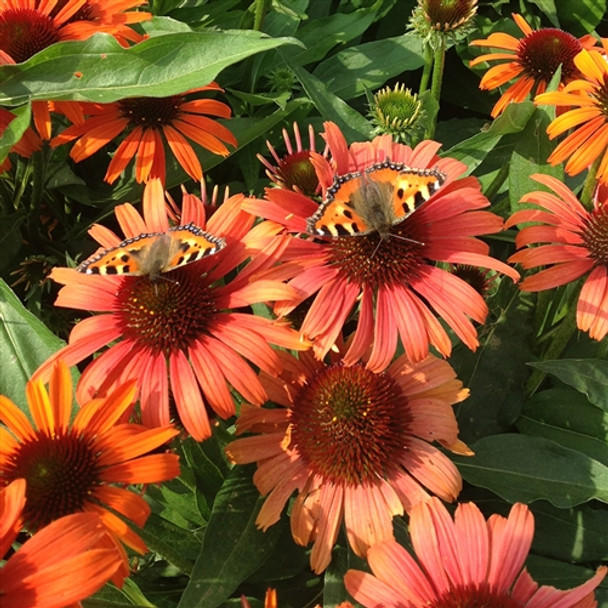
65	562
532	60
108	453
588	117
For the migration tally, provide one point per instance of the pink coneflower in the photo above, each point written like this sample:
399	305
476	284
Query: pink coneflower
465	561
392	279
183	336
294	170
355	445
67	561
572	243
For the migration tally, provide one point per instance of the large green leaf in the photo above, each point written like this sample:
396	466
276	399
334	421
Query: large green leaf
566	417
100	70
233	547
587	376
25	343
366	67
525	469
354	126
474	150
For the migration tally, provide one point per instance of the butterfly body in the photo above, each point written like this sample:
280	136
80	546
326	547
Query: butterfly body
154	253
373	200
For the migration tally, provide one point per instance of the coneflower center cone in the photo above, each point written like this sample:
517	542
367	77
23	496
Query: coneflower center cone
25	32
474	596
349	423
151	111
596	235
61	472
541	52
377	260
168	313
296	172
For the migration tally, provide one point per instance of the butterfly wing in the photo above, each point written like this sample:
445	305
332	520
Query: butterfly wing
124	259
413	187
373	200
337	215
189	243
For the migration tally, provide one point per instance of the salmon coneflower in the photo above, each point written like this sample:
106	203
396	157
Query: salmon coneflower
65	562
355	445
531	60
587	99
186	334
294	170
464	561
391	278
572	243
29	26
75	466
149	123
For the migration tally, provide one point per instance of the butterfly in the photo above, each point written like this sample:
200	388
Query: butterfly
373	200
154	253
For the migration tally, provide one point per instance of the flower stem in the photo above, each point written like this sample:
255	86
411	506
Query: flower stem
426	71
438	65
260	9
589	185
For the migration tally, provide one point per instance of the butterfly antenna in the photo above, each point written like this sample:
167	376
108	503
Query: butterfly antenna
405	238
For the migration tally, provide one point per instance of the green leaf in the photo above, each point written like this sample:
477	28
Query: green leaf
473	151
525	469
582	16
101	70
15	130
566	417
587	376
354	126
368	66
25	343
530	156
233	547
577	535
321	35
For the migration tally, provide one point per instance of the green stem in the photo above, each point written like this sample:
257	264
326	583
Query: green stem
438	65
589	185
497	182
559	341
260	9
426	71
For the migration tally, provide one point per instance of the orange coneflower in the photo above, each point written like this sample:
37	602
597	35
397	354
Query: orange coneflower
148	123
29	26
65	562
532	60
391	277
355	445
589	118
573	244
188	333
75	466
465	561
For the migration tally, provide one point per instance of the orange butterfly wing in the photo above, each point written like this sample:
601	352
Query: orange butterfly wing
373	200
154	253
